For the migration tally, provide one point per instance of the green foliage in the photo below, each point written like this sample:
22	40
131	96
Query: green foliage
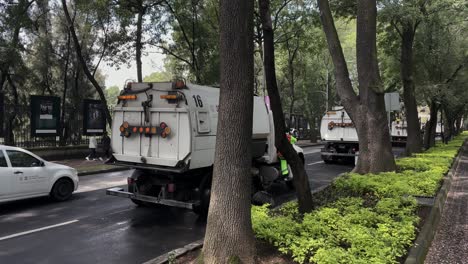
192	49
372	218
158	77
342	232
111	95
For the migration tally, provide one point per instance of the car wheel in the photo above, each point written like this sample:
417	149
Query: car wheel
62	190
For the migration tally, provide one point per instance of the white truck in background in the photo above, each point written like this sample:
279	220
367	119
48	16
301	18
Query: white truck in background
339	135
167	133
398	131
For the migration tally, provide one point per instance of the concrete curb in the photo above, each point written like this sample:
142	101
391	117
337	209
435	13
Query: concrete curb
176	253
86	173
418	252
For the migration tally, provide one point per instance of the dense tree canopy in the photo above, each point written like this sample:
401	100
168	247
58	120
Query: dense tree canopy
38	52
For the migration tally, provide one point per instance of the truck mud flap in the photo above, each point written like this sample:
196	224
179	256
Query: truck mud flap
150	199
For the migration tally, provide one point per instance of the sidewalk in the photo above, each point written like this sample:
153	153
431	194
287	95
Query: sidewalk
85	167
450	244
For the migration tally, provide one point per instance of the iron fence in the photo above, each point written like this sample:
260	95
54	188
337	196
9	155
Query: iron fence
17	129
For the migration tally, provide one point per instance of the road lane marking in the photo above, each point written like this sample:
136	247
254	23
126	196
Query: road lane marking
37	230
313	163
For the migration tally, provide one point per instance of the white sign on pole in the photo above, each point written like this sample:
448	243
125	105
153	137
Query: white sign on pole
392	102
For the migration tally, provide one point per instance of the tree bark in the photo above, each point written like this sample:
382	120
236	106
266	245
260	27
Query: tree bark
10	126
413	142
138	43
84	65
291	58
229	236
64	94
431	126
368	109
301	180
458	123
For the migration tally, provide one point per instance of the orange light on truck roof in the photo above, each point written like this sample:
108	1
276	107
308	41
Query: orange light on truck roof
127	97
169	96
179	84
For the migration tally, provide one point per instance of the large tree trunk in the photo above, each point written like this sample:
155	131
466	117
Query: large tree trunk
229	236
138	44
84	65
10	126
413	142
458	122
301	180
291	58
63	137
431	126
368	109
371	91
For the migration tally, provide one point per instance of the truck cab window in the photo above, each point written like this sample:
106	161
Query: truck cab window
3	162
20	159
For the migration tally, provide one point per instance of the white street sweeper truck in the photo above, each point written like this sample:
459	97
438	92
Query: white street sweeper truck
167	132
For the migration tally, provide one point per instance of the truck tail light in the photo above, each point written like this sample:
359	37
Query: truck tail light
163	130
130	181
171	187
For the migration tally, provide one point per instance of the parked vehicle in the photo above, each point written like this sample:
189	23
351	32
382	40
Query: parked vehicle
25	175
167	132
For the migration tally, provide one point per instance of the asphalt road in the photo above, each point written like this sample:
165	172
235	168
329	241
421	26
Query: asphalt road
96	228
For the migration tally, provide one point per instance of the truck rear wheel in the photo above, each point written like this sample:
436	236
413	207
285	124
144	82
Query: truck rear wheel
204	197
132	187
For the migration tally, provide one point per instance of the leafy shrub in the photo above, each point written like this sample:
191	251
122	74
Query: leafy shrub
343	232
361	218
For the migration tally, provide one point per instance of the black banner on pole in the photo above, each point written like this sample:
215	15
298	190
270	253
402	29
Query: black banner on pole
94	120
45	116
2	113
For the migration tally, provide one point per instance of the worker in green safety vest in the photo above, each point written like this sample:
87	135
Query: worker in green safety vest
283	162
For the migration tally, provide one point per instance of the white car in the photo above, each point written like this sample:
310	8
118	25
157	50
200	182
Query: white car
25	175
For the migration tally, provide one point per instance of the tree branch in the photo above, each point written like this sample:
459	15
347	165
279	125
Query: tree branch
344	87
168	51
285	3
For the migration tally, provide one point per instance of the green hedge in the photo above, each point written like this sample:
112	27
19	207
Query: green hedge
363	218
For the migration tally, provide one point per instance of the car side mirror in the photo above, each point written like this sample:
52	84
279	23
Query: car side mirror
40	164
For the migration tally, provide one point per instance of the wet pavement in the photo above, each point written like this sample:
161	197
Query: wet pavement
95	228
450	244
